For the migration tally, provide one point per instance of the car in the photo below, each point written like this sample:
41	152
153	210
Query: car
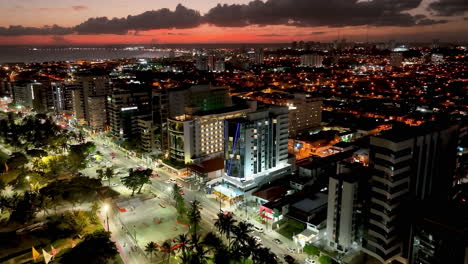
180	185
291	250
172	180
277	241
257	238
114	184
289	259
181	192
309	261
258	229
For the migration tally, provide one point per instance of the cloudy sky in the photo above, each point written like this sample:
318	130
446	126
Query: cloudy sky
227	21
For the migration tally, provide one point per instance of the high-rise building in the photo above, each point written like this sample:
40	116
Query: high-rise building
219	65
396	59
439	233
305	112
97	117
35	95
199	136
256	148
198	98
256	55
160	114
201	63
415	163
346	199
88	85
126	107
311	60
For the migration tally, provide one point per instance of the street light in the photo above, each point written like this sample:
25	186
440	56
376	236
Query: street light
29	183
106	209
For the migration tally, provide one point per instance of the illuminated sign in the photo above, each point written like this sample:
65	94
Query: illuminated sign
128	108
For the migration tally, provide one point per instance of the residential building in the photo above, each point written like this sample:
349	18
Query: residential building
126	107
305	112
97	117
439	233
347	192
311	60
88	85
197	98
412	163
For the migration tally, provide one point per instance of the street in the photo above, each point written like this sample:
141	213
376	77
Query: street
210	207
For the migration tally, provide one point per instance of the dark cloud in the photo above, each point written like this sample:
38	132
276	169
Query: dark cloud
318	33
301	13
449	7
47	30
427	22
335	13
79	8
180	18
271	35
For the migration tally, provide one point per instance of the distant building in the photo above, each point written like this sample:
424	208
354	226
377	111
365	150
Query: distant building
256	148
201	63
396	59
305	112
197	98
256	56
437	58
311	60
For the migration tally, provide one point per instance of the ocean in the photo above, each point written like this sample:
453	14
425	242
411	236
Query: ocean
44	54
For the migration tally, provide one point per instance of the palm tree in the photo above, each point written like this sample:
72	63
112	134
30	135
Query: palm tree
194	215
263	255
100	173
224	224
166	248
109	174
199	253
241	234
151	248
217	247
183	242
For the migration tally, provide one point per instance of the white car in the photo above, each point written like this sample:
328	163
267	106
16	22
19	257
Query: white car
257	238
291	250
172	180
258	229
309	261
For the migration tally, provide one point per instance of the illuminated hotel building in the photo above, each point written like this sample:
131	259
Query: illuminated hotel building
200	136
256	148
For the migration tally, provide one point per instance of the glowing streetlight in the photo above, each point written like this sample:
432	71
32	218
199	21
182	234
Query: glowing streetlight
106	209
29	183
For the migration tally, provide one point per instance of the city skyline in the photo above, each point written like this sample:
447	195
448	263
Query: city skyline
74	22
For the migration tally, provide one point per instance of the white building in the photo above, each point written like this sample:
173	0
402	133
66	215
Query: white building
311	60
341	215
256	148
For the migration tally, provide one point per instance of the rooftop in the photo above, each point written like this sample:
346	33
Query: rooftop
308	205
